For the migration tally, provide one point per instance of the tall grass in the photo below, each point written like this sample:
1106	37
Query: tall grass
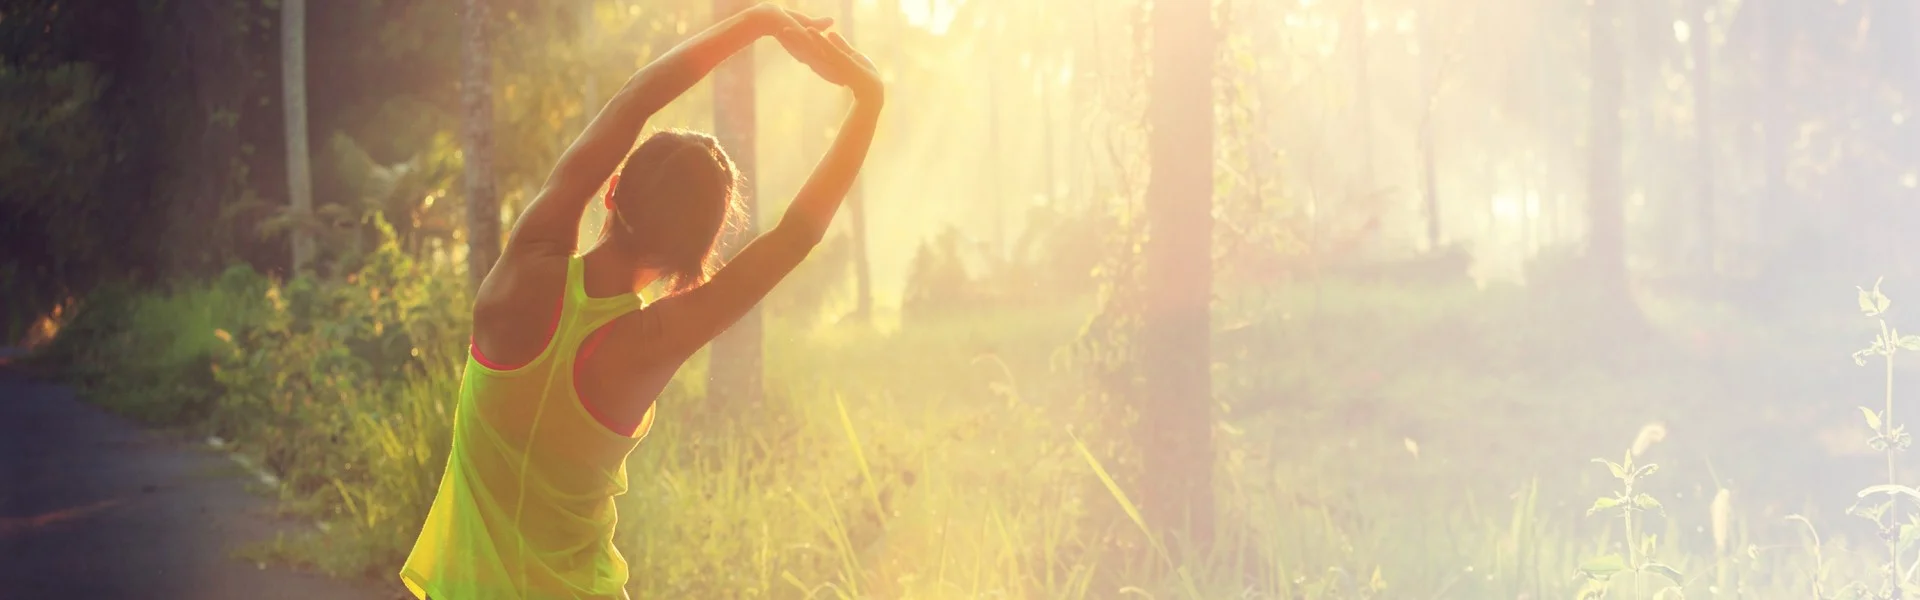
960	457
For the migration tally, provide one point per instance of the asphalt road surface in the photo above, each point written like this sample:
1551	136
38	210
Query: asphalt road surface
92	506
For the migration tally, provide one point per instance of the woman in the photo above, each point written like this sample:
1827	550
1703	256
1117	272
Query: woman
566	358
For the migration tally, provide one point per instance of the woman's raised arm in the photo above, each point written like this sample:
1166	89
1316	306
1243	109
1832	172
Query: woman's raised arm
551	224
689	320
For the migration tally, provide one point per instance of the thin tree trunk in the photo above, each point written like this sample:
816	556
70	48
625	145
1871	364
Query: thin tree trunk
1429	175
1606	250
734	372
856	207
1363	93
476	100
1703	116
994	172
293	66
1775	127
1177	421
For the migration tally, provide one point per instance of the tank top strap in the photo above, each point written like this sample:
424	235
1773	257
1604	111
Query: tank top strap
589	313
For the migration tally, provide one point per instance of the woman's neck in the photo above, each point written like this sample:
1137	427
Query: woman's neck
607	272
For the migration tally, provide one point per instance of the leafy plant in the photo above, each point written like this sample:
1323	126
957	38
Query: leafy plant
1880	503
1601	571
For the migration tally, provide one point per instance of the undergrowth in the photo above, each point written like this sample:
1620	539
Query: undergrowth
960	455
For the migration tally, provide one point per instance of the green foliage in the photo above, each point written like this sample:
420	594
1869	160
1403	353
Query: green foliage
1600	571
150	355
1882	503
56	229
885	462
343	389
1058	254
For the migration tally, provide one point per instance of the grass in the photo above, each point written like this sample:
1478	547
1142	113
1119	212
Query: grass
1372	443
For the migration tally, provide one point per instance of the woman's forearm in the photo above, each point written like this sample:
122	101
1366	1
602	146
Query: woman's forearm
613	131
675	72
820	197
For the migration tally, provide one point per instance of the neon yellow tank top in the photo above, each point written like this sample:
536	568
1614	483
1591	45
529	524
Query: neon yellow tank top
525	506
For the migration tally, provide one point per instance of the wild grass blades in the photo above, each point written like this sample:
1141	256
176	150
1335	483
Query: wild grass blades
1004	505
1600	571
1881	503
1186	577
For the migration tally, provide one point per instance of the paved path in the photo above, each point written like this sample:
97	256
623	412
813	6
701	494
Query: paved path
92	506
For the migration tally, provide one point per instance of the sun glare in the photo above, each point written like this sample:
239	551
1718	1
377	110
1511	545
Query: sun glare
935	16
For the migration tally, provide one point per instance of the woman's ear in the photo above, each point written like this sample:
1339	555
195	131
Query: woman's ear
612	184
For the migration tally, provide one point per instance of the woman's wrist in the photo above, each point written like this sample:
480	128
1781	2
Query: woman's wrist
766	19
873	95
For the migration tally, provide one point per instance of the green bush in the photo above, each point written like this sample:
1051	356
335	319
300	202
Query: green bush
1370	446
149	354
344	390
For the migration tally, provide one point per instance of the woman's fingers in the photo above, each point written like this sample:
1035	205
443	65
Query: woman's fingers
810	22
811	49
840	42
802	47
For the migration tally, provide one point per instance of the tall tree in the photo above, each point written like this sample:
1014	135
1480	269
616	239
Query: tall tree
1177	419
1434	64
1606	213
1362	90
476	100
1777	37
293	70
856	205
734	371
1700	17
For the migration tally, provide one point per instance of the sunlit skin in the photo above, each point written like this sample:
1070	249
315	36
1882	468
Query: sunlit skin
1452	253
641	352
487	532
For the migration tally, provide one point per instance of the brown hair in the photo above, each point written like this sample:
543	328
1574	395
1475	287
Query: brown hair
677	195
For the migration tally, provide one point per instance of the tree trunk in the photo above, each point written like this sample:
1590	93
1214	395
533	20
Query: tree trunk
734	371
993	171
856	207
1606	239
1362	93
476	101
1770	216
1707	260
1177	420
1429	175
293	69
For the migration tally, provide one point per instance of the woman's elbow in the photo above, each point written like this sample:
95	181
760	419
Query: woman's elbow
799	233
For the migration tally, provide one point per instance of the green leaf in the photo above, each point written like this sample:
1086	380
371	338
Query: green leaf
1618	472
1603	567
1911	342
1890	489
1645	502
1662	570
1600	504
1594	589
1870	512
1670	593
1873	418
1645	470
1866	302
